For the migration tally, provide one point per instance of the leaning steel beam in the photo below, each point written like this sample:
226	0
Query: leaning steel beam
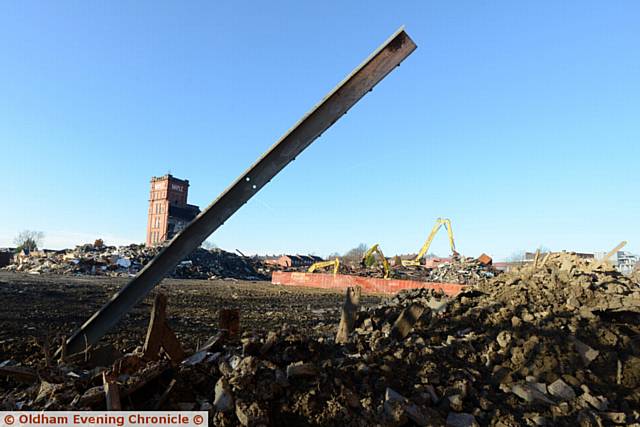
312	125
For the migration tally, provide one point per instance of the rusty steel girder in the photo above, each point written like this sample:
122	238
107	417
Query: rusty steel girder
345	95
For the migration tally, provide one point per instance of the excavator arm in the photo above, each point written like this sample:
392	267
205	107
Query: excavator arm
368	259
323	264
427	244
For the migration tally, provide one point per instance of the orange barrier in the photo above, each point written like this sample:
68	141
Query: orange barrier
368	284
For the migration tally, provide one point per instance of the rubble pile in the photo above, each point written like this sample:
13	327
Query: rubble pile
635	274
460	269
97	259
552	343
216	263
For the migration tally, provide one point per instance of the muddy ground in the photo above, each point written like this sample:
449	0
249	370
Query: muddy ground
34	308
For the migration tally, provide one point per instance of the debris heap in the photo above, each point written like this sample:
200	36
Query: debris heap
98	259
459	269
554	343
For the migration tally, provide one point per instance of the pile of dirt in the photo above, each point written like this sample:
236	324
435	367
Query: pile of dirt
101	260
553	343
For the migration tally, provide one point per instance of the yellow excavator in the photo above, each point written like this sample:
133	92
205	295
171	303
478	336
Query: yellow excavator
323	264
425	247
368	259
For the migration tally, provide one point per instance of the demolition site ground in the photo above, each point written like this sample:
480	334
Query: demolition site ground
39	307
554	342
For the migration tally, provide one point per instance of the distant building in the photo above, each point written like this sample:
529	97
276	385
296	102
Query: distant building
169	212
530	256
624	261
294	260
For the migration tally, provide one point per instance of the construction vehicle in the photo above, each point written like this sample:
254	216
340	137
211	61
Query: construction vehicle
425	247
368	259
323	264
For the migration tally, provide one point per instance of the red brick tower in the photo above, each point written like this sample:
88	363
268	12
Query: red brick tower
169	211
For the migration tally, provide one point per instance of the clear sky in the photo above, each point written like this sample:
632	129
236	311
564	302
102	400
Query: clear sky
520	121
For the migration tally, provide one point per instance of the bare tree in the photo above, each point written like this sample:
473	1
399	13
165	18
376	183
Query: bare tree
517	256
353	256
28	240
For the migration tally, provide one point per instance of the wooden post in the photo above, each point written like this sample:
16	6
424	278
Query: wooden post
160	335
112	393
404	324
349	312
229	320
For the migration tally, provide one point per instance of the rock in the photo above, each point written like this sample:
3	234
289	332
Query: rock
614	417
455	402
301	369
47	390
561	390
461	419
251	415
503	339
598	402
399	408
272	337
91	397
223	399
587	353
515	321
394	406
530	394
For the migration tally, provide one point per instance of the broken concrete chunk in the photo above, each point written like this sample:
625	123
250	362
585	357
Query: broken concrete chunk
587	353
404	324
530	394
615	417
269	342
301	369
223	399
251	415
461	419
398	408
47	390
455	402
503	339
561	390
394	406
600	403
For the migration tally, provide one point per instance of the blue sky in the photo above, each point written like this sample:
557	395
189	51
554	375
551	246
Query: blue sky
517	120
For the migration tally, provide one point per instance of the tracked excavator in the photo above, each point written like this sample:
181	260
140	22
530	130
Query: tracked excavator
369	260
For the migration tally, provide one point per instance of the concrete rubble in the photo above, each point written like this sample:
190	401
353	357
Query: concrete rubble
98	259
548	344
457	269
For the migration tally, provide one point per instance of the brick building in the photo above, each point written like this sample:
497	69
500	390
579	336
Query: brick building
169	212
